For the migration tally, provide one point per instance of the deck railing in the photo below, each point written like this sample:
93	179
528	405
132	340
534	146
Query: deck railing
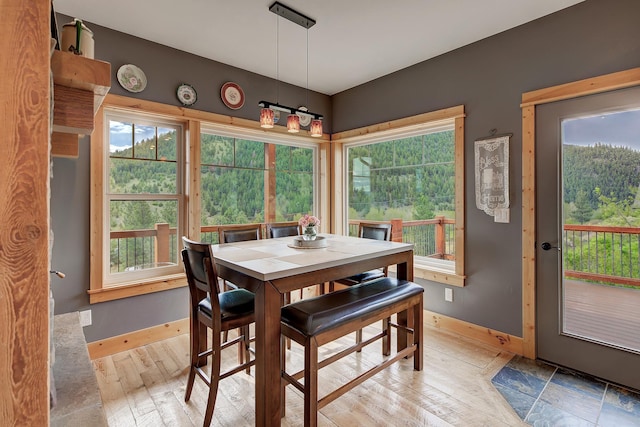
137	249
594	253
602	254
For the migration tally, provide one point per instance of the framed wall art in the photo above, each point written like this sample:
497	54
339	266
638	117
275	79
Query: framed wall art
492	176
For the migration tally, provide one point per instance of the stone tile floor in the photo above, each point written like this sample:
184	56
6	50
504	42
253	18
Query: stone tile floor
546	395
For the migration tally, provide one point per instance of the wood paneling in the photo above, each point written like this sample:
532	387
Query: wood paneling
24	212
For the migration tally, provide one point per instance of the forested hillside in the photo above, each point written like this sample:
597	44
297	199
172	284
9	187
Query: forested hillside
600	182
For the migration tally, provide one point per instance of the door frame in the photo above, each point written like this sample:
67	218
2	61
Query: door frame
605	83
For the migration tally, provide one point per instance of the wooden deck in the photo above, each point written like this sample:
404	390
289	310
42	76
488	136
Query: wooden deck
603	313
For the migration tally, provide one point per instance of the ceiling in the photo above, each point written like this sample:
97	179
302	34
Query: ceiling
352	42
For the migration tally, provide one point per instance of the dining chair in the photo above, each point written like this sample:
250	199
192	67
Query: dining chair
238	233
218	311
367	230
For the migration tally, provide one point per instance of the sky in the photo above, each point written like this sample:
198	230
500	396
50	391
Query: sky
618	128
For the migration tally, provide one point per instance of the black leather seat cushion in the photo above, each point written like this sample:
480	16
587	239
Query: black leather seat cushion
234	303
315	315
362	277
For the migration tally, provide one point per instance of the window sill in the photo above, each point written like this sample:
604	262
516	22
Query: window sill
438	275
157	284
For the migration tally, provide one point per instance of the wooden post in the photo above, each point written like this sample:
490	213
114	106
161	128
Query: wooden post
440	236
270	183
24	216
162	242
396	230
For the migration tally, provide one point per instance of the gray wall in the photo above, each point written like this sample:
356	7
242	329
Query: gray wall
592	38
589	39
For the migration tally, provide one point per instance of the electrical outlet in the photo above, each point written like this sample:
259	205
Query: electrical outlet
448	294
85	318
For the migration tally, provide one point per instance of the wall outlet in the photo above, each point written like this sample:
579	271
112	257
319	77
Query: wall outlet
85	318
448	294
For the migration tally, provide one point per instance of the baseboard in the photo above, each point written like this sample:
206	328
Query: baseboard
142	337
109	346
496	339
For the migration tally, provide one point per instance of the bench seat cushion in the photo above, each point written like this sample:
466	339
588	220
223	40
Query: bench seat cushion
312	316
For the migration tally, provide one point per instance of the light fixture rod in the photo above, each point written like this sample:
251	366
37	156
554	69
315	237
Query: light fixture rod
290	110
292	15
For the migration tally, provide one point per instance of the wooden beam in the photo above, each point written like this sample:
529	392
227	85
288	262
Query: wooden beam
24	212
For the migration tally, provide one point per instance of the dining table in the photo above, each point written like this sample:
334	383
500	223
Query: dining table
272	267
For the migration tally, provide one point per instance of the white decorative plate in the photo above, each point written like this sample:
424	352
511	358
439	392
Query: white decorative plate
132	78
186	94
232	95
304	119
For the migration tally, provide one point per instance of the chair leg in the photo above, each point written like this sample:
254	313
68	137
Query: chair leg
195	349
246	340
214	379
311	383
386	340
332	286
287	300
359	338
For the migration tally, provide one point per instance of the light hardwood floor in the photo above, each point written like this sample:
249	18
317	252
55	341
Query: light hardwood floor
145	387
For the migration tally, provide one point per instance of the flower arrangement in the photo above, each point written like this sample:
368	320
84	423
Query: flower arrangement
308	221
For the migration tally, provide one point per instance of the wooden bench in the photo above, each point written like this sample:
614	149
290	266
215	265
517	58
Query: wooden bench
316	321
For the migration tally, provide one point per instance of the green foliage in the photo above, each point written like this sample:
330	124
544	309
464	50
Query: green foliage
415	175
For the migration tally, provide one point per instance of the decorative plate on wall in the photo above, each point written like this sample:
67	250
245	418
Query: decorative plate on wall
132	78
186	94
232	95
304	119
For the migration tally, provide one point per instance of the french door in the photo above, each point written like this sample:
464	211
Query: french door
588	234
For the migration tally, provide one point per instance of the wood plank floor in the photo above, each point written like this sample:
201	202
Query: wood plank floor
145	387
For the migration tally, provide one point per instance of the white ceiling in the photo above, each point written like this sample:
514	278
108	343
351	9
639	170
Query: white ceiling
353	41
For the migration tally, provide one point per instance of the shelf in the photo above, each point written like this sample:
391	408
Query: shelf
80	85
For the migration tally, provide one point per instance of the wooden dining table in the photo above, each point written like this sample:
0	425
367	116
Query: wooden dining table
272	267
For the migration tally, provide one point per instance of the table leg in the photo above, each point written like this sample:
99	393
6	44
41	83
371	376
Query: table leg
267	310
404	271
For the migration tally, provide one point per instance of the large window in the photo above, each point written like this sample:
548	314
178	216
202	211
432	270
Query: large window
250	181
413	176
144	197
157	176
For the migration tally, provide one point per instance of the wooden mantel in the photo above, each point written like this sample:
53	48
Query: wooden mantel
80	85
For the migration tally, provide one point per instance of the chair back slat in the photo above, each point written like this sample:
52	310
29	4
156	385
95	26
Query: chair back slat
240	233
283	229
377	231
200	269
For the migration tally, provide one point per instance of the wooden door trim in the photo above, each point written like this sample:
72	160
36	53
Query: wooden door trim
530	100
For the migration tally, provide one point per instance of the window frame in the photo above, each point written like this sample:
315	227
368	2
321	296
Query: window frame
410	126
115	279
192	121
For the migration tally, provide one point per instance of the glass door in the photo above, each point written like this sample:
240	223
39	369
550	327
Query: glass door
588	242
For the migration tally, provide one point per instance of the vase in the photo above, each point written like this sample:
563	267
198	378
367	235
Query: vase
309	233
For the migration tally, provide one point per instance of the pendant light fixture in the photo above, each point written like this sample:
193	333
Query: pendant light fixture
268	108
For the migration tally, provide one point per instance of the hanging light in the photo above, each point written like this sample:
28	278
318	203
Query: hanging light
316	128
267	119
293	123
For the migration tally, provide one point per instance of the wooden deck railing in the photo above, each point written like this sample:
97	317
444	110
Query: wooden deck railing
136	249
594	253
602	254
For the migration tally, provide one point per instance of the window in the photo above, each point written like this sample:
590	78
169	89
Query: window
413	176
156	176
144	197
244	180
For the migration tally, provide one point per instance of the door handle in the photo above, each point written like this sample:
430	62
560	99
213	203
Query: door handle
546	246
